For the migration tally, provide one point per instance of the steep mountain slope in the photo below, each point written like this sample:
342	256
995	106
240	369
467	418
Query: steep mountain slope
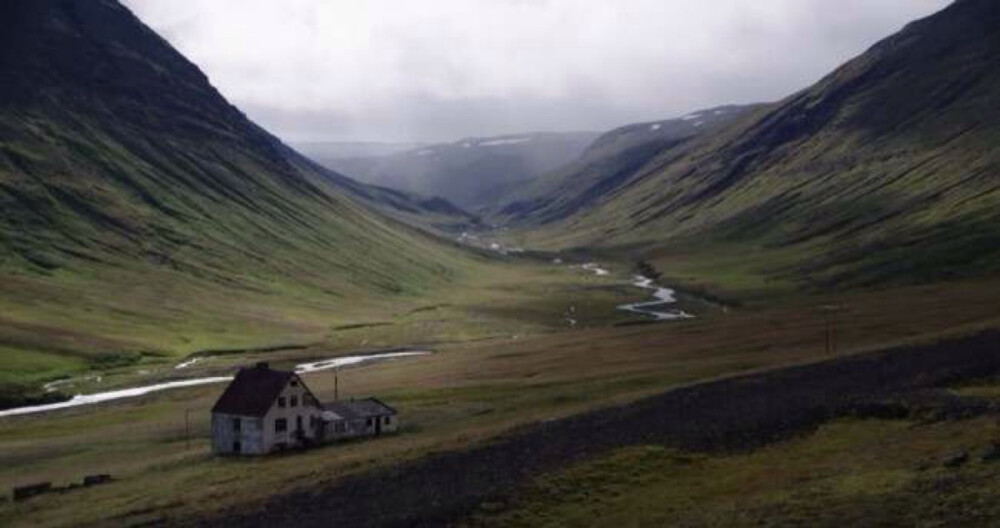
471	173
608	164
140	212
884	170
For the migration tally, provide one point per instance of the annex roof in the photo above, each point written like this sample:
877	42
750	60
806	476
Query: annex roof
354	409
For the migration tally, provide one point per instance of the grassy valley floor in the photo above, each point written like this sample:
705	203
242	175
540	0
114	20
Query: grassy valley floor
505	357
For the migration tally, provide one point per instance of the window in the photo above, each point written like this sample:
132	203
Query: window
280	425
368	422
236	425
295	401
340	427
387	420
281	402
295	383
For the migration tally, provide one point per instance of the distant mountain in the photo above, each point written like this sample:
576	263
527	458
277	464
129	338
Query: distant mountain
430	212
609	163
131	191
473	172
886	169
326	151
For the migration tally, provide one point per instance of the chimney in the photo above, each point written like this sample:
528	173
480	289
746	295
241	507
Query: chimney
261	365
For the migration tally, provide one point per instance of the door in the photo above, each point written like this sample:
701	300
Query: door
237	447
378	425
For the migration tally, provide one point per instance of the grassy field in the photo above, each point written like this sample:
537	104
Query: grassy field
505	357
151	324
850	472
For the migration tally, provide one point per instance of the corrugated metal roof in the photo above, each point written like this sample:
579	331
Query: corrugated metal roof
330	416
365	408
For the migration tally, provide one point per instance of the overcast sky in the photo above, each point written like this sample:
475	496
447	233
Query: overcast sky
429	70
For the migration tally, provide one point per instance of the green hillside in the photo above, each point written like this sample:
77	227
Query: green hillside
885	170
142	214
610	163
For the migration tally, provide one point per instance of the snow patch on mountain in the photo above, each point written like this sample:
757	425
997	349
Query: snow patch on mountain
504	141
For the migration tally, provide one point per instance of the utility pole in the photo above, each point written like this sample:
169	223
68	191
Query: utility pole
833	334
829	340
830	312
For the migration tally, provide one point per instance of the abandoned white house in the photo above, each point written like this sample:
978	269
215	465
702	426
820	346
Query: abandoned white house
265	410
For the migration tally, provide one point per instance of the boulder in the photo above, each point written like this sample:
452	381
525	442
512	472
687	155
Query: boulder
25	492
93	480
957	459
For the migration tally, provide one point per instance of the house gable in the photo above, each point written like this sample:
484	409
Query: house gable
294	396
293	417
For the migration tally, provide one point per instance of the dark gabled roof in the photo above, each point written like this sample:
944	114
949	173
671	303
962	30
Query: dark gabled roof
252	391
355	409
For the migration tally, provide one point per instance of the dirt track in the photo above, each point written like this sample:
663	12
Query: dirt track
732	414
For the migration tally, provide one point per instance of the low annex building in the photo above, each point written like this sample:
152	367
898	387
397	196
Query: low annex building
265	410
369	417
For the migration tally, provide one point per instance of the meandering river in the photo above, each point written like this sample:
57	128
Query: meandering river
663	296
98	397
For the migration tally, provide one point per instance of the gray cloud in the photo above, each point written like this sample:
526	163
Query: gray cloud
398	70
